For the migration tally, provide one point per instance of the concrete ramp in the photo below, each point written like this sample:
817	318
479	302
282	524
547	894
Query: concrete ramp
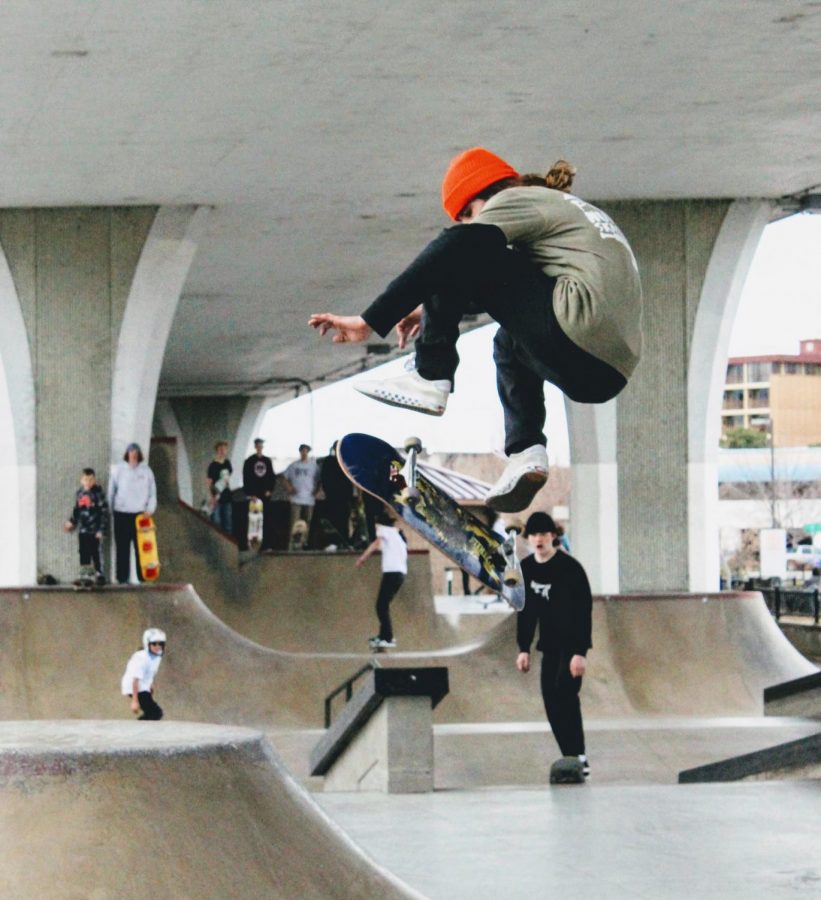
62	654
300	602
706	655
122	809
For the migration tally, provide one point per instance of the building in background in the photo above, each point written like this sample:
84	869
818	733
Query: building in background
779	395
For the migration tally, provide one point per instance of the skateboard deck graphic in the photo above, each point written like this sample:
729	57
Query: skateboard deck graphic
148	557
376	467
255	516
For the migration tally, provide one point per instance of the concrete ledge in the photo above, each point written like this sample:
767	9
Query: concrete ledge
796	759
413	719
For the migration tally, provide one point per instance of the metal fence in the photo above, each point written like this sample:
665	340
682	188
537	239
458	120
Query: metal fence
783	601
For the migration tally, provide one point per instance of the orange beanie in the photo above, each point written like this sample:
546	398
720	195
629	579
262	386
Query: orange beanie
469	174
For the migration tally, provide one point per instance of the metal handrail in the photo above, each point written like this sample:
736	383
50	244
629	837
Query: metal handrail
347	687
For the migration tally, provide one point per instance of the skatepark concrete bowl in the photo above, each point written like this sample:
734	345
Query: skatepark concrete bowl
123	809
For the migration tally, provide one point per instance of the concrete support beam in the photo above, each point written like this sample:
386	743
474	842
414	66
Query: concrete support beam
18	527
724	280
692	255
95	290
202	422
594	493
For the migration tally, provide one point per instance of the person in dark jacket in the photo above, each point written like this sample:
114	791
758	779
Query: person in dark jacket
558	600
90	518
339	491
258	482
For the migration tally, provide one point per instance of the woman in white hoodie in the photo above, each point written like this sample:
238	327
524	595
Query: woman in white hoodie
132	491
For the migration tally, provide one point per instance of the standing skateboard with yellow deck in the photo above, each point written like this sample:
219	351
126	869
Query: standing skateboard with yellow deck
376	467
147	554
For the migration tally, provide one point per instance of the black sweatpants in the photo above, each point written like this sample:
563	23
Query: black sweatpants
125	536
152	712
530	346
560	692
90	552
388	587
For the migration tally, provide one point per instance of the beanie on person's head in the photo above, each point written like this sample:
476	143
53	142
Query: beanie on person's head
540	523
133	446
469	174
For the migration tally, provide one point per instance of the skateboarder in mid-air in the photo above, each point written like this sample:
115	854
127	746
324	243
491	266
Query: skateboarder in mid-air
554	271
90	518
558	600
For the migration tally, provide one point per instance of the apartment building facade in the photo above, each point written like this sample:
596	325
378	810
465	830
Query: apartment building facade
776	394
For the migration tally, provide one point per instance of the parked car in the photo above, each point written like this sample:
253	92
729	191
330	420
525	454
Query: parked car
803	556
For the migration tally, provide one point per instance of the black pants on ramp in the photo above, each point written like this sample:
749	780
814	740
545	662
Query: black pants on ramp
560	692
388	587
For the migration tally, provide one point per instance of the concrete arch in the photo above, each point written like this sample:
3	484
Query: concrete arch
248	429
724	280
166	425
18	525
152	302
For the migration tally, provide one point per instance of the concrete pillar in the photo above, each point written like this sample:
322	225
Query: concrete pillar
18	525
707	370
249	426
202	422
96	290
594	492
676	242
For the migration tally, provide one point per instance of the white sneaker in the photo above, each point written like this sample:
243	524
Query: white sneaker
523	477
409	391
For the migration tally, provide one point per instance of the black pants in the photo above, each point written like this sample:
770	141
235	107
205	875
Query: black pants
125	536
390	584
338	514
90	552
530	347
152	712
560	692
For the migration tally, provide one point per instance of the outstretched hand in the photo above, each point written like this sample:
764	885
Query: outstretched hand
349	329
409	327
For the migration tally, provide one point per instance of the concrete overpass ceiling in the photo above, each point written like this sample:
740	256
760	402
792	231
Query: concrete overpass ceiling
319	131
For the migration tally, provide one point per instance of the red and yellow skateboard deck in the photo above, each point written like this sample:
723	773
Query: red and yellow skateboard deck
147	554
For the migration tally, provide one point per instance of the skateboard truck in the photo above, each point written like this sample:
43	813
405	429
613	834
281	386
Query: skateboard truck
512	576
413	447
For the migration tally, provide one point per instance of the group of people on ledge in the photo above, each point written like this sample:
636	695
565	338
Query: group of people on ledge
344	519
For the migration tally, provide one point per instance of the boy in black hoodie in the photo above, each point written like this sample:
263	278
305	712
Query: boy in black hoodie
90	518
558	598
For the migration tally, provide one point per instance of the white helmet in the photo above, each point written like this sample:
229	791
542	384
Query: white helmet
153	636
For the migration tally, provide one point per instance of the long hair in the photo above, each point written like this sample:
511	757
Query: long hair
559	177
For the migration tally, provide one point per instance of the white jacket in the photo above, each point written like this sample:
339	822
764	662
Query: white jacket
132	489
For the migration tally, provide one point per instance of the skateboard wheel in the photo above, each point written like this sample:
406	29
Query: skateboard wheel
413	443
512	577
144	523
147	546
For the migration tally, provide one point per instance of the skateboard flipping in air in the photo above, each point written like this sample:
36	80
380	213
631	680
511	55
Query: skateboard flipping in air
377	468
148	556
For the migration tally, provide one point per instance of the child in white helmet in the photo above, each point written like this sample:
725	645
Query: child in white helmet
140	672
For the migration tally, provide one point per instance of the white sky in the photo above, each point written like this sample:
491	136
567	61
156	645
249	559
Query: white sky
780	305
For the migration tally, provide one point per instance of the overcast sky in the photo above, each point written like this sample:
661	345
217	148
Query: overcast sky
780	305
